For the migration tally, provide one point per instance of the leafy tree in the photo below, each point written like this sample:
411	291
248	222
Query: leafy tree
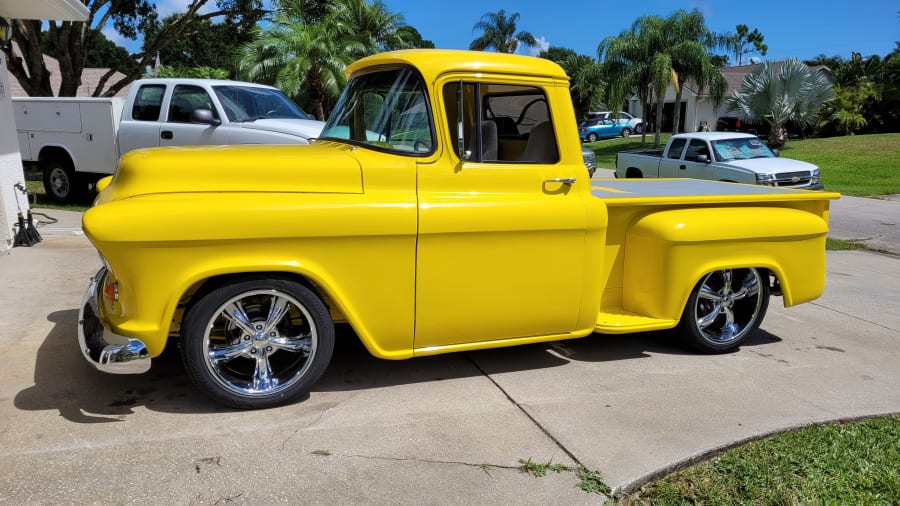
193	72
587	80
499	32
205	44
743	41
130	18
411	39
776	95
305	53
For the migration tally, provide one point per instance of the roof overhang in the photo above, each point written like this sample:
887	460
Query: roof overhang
61	10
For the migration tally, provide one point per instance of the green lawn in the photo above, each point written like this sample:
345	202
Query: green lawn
860	165
835	463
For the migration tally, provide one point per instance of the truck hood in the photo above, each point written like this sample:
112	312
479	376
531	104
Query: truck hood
306	128
772	165
247	168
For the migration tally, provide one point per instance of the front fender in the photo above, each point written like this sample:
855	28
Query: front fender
667	253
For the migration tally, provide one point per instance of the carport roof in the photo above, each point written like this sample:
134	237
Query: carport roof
62	10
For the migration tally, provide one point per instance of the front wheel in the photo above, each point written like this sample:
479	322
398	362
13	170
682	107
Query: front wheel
626	132
639	128
724	308
257	343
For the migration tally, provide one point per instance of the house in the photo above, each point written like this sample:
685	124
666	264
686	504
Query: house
696	107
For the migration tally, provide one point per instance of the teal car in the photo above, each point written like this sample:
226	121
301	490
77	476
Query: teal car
591	130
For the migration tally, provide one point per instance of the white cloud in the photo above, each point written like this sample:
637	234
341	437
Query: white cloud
542	45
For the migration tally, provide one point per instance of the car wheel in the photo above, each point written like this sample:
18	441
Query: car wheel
257	343
626	132
60	182
639	128
724	308
592	137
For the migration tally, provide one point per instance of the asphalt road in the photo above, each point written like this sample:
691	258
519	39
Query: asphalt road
438	430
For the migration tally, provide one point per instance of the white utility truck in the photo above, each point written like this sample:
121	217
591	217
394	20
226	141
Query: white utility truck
76	141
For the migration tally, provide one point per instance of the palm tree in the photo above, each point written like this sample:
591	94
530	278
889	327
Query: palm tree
637	60
691	59
305	52
499	32
776	95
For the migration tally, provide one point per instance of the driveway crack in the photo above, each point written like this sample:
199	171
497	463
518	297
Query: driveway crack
522	407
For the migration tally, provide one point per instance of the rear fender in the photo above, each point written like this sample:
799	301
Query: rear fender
668	252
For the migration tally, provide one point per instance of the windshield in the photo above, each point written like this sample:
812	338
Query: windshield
385	110
740	149
248	103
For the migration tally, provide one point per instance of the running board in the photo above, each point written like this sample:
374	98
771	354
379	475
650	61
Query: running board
623	322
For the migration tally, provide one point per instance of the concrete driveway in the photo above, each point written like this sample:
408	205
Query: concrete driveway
446	429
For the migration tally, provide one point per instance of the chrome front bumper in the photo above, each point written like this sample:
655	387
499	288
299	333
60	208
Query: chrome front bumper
105	350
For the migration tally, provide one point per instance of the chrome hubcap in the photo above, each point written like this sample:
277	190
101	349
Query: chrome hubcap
260	343
728	304
59	181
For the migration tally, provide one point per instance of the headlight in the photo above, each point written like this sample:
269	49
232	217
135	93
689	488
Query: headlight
816	178
765	179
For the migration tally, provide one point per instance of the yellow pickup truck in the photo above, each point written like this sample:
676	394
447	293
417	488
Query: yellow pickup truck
444	208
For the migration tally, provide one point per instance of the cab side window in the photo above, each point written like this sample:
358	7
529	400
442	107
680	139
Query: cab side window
675	149
500	123
148	102
187	98
695	149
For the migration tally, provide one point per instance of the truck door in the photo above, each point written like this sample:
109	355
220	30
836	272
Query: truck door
139	127
179	129
670	165
501	241
697	160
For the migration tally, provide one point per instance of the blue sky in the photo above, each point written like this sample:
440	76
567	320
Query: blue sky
792	28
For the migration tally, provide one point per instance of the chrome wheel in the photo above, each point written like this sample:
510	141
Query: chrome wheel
258	346
626	132
592	137
725	307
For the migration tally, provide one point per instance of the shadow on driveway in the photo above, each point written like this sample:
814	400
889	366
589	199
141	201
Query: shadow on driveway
81	394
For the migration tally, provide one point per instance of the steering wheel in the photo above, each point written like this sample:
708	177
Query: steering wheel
419	142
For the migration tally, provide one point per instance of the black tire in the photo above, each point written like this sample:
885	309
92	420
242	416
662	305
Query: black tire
626	132
61	183
639	128
257	343
725	308
592	137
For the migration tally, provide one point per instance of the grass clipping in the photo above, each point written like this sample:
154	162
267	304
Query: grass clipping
839	463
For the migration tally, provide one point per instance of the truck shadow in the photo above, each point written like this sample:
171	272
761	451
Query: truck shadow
64	382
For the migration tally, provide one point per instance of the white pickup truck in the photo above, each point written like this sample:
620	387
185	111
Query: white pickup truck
76	141
719	156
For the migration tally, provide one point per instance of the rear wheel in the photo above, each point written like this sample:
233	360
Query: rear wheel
592	137
257	343
61	183
724	308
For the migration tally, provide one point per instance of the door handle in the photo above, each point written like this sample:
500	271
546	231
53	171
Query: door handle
167	134
682	167
563	180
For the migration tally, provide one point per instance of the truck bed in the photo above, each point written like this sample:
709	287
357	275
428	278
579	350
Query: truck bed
618	192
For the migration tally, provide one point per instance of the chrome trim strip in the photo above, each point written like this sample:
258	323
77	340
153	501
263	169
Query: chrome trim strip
105	350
